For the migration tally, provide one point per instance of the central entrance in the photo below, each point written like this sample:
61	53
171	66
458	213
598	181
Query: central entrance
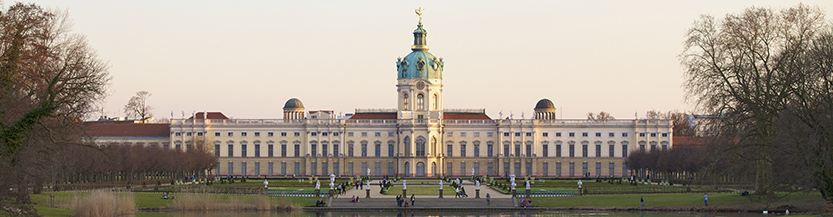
420	169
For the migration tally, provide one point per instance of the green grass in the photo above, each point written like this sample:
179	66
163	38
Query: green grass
150	200
427	190
668	200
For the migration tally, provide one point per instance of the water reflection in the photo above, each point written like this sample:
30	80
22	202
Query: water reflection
449	213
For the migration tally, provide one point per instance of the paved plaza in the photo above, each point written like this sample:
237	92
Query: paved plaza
380	201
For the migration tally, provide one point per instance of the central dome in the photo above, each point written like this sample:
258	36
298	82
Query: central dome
420	63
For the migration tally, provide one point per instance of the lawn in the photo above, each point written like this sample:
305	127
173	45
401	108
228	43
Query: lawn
670	200
427	190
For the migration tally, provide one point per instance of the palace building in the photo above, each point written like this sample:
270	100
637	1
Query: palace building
420	137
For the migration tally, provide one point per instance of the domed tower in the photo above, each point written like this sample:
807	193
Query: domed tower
419	77
544	110
293	109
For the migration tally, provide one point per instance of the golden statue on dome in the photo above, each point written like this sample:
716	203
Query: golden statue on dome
419	12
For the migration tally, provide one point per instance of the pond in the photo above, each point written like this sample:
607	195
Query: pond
451	213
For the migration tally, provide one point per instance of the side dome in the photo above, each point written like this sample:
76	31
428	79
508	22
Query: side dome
544	104
293	103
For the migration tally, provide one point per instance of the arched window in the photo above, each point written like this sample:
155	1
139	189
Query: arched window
404	101
407	143
436	102
420	102
420	146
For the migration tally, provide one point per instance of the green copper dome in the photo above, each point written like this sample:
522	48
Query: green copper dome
420	63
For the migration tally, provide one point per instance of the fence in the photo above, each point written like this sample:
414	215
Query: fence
291	193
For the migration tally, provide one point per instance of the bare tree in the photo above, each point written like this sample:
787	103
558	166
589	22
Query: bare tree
47	75
137	106
741	69
601	116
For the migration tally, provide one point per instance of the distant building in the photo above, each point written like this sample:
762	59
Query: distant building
420	137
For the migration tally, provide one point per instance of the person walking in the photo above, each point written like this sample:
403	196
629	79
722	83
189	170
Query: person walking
488	199
412	200
642	201
706	199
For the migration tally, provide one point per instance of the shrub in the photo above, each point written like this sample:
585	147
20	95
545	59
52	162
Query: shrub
103	203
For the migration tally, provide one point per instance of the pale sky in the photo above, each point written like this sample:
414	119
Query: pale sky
246	58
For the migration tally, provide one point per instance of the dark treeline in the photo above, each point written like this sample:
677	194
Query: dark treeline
117	163
676	164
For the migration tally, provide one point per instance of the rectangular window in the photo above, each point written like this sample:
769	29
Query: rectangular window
335	150
528	134
463	168
199	134
517	134
188	134
449	150
257	168
517	150
641	134
217	134
506	134
391	134
476	134
283	133
490	151
624	150
572	150
557	134
558	169
390	168
584	168
528	150
350	168
584	151
243	149
244	134
611	151
257	150
664	134
572	169
377	134
642	146
518	168
624	134
653	134
477	150
506	149
364	134
335	168
230	150
314	168
624	169
390	151
545	134
476	169
449	167
297	168
378	169
283	150
598	150
584	134
283	168
462	134
664	147
572	134
364	150
610	170
335	133
257	133
313	150
598	134
217	150
598	169
230	134
324	133
506	169
378	151
546	151
611	134
350	134
462	150
324	169
490	134
217	169
324	150
297	134
271	150
489	169
450	134
230	168
313	133
529	169
243	168
653	147
297	150
270	134
558	150
364	168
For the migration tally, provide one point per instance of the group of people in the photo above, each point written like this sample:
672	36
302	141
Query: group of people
320	203
460	192
526	203
403	201
355	199
166	196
